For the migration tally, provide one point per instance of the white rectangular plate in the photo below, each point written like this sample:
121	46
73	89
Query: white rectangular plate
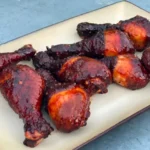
107	110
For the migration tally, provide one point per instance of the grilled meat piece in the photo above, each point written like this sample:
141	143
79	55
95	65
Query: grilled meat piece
127	71
67	104
111	42
90	73
24	53
23	88
138	29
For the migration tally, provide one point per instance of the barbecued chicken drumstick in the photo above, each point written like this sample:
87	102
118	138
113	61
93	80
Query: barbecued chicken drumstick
127	71
110	42
138	29
23	88
24	53
67	104
88	72
92	74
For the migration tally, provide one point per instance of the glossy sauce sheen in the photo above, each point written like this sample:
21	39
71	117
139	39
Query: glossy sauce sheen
67	104
117	42
138	29
93	75
69	108
77	69
129	72
23	89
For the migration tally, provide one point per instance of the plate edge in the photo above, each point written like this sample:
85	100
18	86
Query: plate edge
113	127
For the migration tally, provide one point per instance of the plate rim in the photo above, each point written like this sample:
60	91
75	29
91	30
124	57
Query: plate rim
124	1
113	127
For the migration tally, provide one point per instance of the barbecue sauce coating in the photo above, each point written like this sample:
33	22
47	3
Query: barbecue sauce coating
43	60
67	104
146	59
127	71
69	108
23	88
24	53
90	73
111	42
138	29
86	29
116	43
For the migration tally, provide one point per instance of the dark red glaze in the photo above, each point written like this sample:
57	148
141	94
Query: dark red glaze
23	88
116	43
127	71
146	59
24	53
110	62
86	71
67	104
111	42
50	81
138	29
69	108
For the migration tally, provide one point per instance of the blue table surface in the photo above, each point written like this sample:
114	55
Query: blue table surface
20	17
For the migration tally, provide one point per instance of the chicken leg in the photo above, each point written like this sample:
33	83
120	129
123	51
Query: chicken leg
127	71
67	104
23	88
24	53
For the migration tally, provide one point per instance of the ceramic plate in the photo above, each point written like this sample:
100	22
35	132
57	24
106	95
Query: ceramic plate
107	110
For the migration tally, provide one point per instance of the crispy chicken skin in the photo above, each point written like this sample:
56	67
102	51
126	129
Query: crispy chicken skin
23	88
110	42
67	104
24	53
138	29
127	71
92	74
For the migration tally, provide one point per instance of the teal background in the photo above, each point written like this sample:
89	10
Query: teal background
20	17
